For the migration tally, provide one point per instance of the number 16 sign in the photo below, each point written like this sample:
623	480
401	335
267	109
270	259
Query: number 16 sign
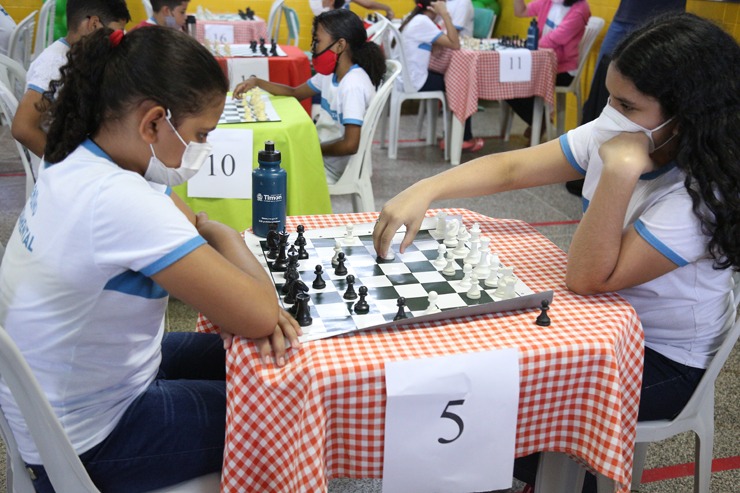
450	423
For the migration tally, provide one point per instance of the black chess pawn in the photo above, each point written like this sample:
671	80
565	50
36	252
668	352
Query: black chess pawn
350	294
272	241
273	49
319	282
340	269
253	46
302	311
542	319
362	307
401	313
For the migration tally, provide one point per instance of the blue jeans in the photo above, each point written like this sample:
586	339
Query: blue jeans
666	388
173	432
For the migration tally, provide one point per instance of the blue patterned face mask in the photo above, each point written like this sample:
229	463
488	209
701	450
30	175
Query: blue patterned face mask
612	123
170	21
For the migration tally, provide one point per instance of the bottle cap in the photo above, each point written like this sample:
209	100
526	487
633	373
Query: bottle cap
190	19
269	154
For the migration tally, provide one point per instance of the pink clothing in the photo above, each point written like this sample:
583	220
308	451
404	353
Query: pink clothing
565	37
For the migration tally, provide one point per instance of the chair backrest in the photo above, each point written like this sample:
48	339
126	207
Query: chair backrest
8	107
294	26
396	52
273	20
593	28
21	40
59	458
376	31
483	21
148	8
359	167
13	75
44	27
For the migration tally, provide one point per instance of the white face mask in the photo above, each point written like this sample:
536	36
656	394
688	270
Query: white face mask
192	160
612	123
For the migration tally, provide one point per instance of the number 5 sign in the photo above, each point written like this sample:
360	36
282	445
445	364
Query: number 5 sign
450	423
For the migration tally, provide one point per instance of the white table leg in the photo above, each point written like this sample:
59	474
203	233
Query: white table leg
456	140
537	121
558	473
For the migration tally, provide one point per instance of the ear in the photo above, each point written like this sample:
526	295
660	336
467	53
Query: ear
93	24
150	123
340	46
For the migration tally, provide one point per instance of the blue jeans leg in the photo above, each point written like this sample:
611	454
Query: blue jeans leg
173	432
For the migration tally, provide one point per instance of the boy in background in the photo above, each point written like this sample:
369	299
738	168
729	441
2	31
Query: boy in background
167	13
83	18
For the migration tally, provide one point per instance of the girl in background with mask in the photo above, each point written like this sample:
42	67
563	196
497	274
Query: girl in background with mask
348	70
561	24
420	36
661	197
85	278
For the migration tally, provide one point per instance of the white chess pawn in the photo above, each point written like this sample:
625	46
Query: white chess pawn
492	279
474	255
440	261
467	272
460	251
474	291
349	236
389	254
449	269
441	224
475	232
432	308
337	249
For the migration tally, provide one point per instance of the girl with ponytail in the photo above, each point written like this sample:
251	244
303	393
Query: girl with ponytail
85	278
348	71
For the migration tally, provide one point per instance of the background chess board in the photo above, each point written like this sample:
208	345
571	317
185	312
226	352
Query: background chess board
411	275
235	111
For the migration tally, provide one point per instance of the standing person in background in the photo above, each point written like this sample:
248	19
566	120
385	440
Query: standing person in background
561	24
84	17
7	25
630	14
60	19
319	6
167	13
462	13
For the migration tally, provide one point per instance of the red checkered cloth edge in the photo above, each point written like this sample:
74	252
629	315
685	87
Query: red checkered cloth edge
244	31
472	75
322	417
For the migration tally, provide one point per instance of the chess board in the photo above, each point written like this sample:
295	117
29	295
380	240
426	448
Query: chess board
243	111
243	50
411	275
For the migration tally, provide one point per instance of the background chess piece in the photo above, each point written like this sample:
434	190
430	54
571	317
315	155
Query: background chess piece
542	319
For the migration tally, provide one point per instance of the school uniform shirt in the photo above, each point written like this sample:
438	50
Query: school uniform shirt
7	26
45	68
342	103
76	293
418	37
562	36
685	313
461	14
146	22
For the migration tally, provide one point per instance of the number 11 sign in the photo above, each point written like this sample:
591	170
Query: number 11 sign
450	423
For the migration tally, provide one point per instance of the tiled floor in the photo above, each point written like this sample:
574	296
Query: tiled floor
551	209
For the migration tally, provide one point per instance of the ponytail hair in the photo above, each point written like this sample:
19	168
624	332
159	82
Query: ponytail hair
420	6
345	24
105	77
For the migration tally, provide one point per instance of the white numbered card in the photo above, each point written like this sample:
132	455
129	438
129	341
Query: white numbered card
515	65
227	173
219	33
450	423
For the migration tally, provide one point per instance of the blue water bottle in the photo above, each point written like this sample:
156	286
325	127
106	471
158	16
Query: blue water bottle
533	35
269	191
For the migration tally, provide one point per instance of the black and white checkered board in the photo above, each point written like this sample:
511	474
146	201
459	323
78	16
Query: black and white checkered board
239	111
411	275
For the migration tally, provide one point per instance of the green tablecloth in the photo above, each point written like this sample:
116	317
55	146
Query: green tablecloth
296	138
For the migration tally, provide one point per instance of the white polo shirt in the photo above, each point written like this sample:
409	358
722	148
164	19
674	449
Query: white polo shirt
76	293
342	103
462	14
45	68
687	312
418	37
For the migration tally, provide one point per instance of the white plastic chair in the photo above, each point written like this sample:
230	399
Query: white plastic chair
8	107
356	177
294	26
148	8
21	40
44	28
65	470
274	19
405	91
696	416
13	75
377	31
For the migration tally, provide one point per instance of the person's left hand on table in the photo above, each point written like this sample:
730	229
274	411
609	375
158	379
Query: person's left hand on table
245	86
287	328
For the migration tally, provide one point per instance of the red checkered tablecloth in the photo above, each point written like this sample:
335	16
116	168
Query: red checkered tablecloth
244	31
322	416
471	75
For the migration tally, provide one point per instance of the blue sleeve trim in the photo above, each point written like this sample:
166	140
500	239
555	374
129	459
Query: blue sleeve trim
313	87
585	203
173	256
168	191
136	284
441	33
658	245
352	121
459	28
36	88
569	154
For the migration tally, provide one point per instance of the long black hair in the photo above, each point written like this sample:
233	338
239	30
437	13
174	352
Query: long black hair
345	24
419	7
692	67
102	81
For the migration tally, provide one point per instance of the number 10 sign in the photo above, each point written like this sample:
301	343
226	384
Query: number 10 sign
450	423
227	173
